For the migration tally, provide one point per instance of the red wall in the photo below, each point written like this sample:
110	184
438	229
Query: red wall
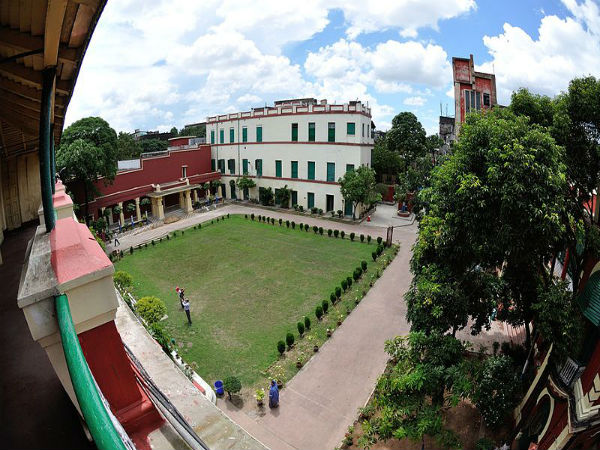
174	142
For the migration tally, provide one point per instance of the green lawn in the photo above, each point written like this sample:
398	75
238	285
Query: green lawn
248	284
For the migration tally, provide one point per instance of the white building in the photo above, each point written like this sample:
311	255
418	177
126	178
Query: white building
300	143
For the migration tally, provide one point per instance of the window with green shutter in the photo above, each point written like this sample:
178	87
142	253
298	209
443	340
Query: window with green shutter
222	136
311	170
278	168
222	165
350	128
330	171
294	132
294	169
349	168
331	132
212	136
310	197
231	135
258	134
245	134
311	132
244	166
258	165
213	165
231	166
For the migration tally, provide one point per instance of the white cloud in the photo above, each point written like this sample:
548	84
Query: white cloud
249	98
414	101
565	49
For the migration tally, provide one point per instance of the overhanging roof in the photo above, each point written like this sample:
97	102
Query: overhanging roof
36	34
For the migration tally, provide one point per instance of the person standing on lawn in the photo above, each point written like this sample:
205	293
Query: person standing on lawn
186	307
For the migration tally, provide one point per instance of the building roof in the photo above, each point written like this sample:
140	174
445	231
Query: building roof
35	35
589	299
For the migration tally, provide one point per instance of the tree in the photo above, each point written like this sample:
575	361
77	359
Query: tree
232	385
385	161
283	196
406	138
88	151
174	132
151	309
358	187
244	183
127	147
153	145
492	224
195	130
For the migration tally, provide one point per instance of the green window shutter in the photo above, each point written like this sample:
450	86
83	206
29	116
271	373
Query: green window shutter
222	165
311	170
311	200
477	101
467	102
244	166
311	132
330	171
589	299
231	135
222	136
294	169
258	134
231	166
245	134
212	136
349	167
331	132
278	168
213	165
294	132
258	165
351	128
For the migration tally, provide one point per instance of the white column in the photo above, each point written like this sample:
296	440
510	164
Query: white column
188	202
121	214
138	213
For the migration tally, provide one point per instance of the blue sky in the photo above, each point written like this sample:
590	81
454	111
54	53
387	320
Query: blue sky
154	65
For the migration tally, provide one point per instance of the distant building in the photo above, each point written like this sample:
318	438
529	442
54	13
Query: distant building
446	133
140	135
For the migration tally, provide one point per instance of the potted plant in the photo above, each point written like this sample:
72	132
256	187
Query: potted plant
299	363
329	332
339	319
315	348
259	396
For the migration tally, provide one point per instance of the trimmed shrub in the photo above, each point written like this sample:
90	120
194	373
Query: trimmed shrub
228	215
362	238
360	271
363	265
293	225
245	216
131	248
280	222
273	221
321	231
306	322
153	243
329	232
349	281
319	312
123	279
315	229
289	340
200	225
342	234
300	326
379	239
301	226
287	223
281	347
352	236
300	208
314	210
338	292
379	250
232	385
325	305
336	233
368	238
306	227
344	285
333	298
356	275
374	256
320	212
152	309
259	218
252	216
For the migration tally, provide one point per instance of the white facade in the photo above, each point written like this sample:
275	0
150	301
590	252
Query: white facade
304	149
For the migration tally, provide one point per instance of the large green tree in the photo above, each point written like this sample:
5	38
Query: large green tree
153	145
127	147
358	187
492	224
88	151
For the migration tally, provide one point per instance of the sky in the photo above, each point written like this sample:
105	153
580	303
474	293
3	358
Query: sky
157	64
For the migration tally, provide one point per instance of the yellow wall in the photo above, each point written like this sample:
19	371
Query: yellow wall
20	189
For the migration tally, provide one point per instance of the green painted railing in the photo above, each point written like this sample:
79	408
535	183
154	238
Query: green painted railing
96	417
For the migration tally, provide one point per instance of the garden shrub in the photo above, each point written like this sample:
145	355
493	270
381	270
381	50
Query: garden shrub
325	305
333	298
123	279
300	326
342	234
379	239
352	236
338	292
152	309
301	226
200	225
359	270
160	335
287	223
314	210
273	221
320	212
232	385
306	322
281	347
131	249
363	265
362	238
228	215
289	340
315	229
300	208
368	238
252	216
321	231
329	232
349	281
356	275
259	218
319	312
374	256
293	225
379	249
280	222
153	243
344	284
336	233
245	216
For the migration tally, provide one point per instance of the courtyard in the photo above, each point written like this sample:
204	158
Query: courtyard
248	283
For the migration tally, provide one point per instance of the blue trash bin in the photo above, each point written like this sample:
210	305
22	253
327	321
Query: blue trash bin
219	387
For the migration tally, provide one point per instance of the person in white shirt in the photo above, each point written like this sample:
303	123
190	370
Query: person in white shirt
186	308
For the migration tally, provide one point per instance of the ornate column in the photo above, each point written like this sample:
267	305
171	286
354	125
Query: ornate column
121	214
188	202
195	195
138	214
160	209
